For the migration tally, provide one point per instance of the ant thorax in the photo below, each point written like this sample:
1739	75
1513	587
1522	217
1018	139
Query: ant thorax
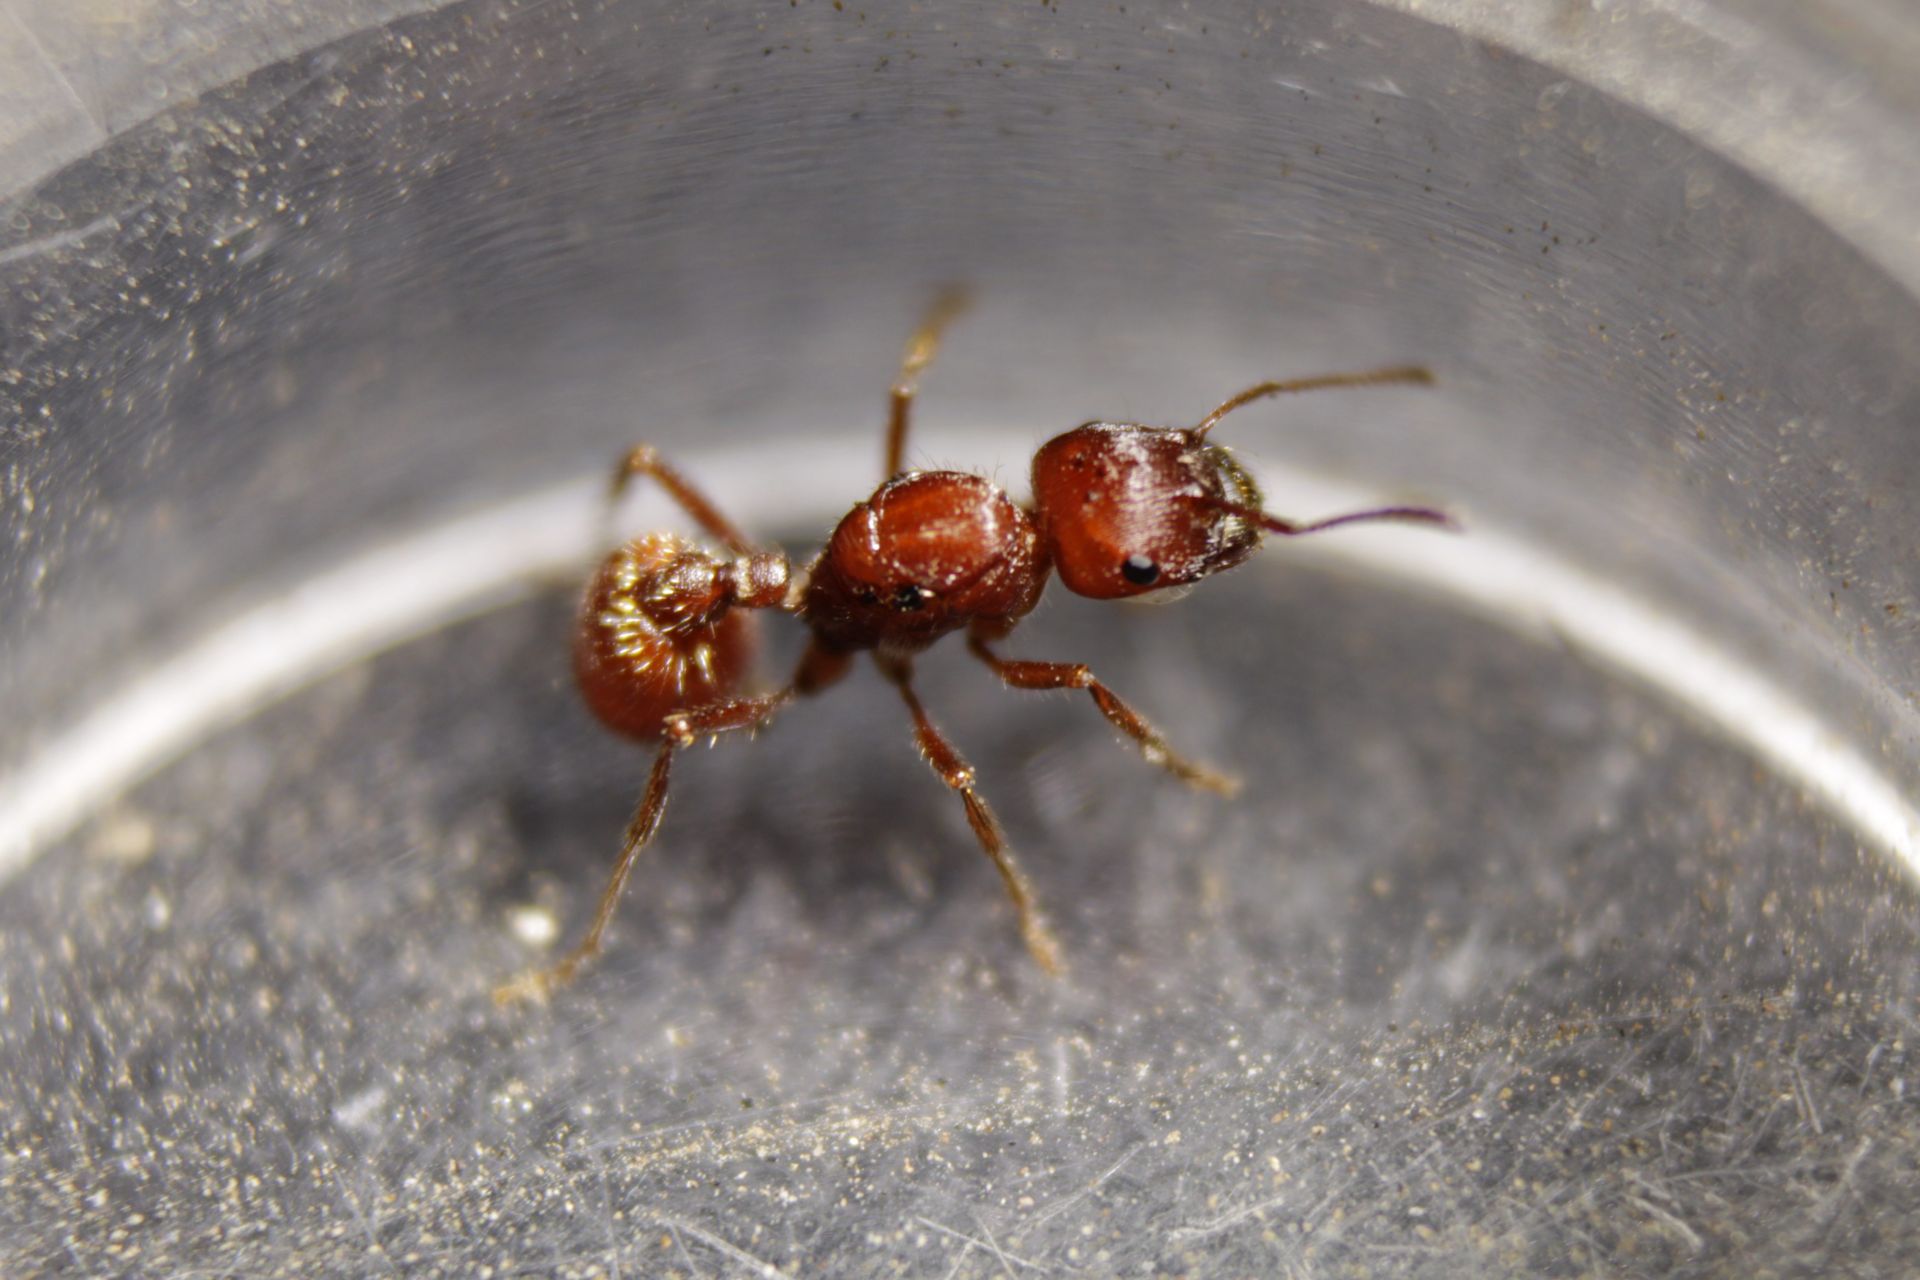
927	554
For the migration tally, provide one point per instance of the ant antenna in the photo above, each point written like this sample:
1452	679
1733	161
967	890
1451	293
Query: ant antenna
1405	373
1292	528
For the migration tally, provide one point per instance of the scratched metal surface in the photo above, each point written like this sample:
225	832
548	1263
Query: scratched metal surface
450	259
1495	968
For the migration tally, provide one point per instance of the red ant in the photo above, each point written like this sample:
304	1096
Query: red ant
663	636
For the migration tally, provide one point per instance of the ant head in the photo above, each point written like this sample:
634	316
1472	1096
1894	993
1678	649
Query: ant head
1128	509
928	553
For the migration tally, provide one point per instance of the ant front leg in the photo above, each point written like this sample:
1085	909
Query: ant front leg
919	354
958	775
1077	675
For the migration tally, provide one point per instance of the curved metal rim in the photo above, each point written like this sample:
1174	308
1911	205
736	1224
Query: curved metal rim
423	580
1814	96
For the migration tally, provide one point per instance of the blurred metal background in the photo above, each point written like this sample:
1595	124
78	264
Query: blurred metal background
1499	965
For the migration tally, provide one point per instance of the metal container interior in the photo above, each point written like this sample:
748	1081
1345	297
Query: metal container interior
1565	924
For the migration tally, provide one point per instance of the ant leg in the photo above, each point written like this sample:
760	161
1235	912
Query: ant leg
540	983
1412	374
716	718
645	460
1077	675
919	354
958	774
818	668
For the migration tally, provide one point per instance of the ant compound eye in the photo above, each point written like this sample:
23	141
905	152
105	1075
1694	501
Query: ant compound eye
907	596
1139	570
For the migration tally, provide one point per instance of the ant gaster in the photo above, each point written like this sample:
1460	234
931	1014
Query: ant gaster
664	634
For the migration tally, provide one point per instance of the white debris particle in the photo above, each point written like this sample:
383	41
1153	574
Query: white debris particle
535	926
358	1111
124	837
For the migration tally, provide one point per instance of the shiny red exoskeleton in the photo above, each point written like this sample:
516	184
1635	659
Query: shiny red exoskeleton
665	631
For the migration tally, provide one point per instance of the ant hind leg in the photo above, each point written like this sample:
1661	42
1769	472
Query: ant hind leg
645	460
679	729
540	983
818	668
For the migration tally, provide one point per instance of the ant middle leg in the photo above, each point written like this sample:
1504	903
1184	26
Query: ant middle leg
953	770
921	347
1077	675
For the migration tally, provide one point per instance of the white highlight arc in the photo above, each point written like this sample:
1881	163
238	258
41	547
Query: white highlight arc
421	582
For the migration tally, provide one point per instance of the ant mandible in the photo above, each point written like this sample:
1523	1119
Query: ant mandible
664	636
